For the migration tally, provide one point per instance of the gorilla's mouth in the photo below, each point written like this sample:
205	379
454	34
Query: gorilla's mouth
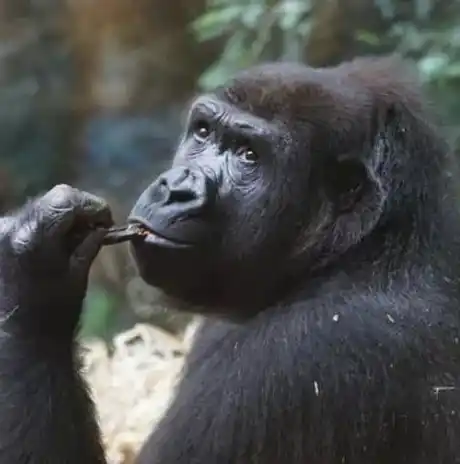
175	210
152	237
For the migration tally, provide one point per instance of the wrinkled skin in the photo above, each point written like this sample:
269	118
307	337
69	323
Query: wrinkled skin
311	216
46	250
49	247
225	199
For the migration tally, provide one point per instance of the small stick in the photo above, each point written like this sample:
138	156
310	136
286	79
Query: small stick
124	233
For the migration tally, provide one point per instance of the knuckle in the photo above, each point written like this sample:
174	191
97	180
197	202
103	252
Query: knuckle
23	236
62	190
95	203
59	194
64	187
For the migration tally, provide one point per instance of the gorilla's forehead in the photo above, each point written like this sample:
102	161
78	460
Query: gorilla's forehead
294	92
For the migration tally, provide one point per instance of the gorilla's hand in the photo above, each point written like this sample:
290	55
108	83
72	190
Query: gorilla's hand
46	250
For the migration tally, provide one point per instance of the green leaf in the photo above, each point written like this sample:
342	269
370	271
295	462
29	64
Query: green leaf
452	70
215	22
368	37
215	75
423	9
433	65
234	56
252	15
291	13
304	27
387	8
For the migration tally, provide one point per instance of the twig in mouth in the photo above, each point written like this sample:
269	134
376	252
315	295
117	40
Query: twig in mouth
120	234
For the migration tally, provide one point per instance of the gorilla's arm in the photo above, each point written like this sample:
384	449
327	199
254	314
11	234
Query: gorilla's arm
343	377
46	415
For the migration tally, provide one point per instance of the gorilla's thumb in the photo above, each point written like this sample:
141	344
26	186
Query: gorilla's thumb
87	251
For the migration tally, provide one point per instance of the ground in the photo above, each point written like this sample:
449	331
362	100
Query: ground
133	385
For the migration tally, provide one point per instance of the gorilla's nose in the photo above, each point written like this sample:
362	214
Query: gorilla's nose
179	185
176	204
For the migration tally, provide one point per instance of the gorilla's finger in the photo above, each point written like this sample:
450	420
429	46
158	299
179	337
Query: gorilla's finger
64	213
87	251
65	207
95	209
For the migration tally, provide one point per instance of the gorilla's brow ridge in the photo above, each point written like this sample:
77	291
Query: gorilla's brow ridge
232	117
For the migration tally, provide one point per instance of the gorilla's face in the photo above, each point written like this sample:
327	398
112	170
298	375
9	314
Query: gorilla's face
242	203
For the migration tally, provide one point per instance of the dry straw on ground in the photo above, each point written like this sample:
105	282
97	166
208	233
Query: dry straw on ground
133	386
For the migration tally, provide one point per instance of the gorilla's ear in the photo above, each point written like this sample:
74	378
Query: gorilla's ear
350	181
364	180
390	128
359	189
396	109
361	181
388	94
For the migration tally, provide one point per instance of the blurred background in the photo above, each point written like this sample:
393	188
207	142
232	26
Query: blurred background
92	94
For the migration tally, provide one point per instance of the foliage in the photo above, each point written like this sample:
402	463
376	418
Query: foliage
427	31
430	35
250	31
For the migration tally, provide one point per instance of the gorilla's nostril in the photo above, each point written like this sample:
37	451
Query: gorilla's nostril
160	192
181	196
186	188
175	190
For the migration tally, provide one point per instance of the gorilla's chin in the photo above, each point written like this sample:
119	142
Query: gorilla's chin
178	270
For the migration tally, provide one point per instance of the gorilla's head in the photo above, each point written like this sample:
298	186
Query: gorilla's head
278	172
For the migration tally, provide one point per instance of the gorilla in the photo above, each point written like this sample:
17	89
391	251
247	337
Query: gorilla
311	216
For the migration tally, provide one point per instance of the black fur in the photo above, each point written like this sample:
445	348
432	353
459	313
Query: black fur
46	249
327	270
344	241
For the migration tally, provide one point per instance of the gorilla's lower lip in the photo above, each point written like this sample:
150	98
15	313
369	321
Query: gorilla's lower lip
154	238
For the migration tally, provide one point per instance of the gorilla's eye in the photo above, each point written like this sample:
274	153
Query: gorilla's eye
201	130
247	155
